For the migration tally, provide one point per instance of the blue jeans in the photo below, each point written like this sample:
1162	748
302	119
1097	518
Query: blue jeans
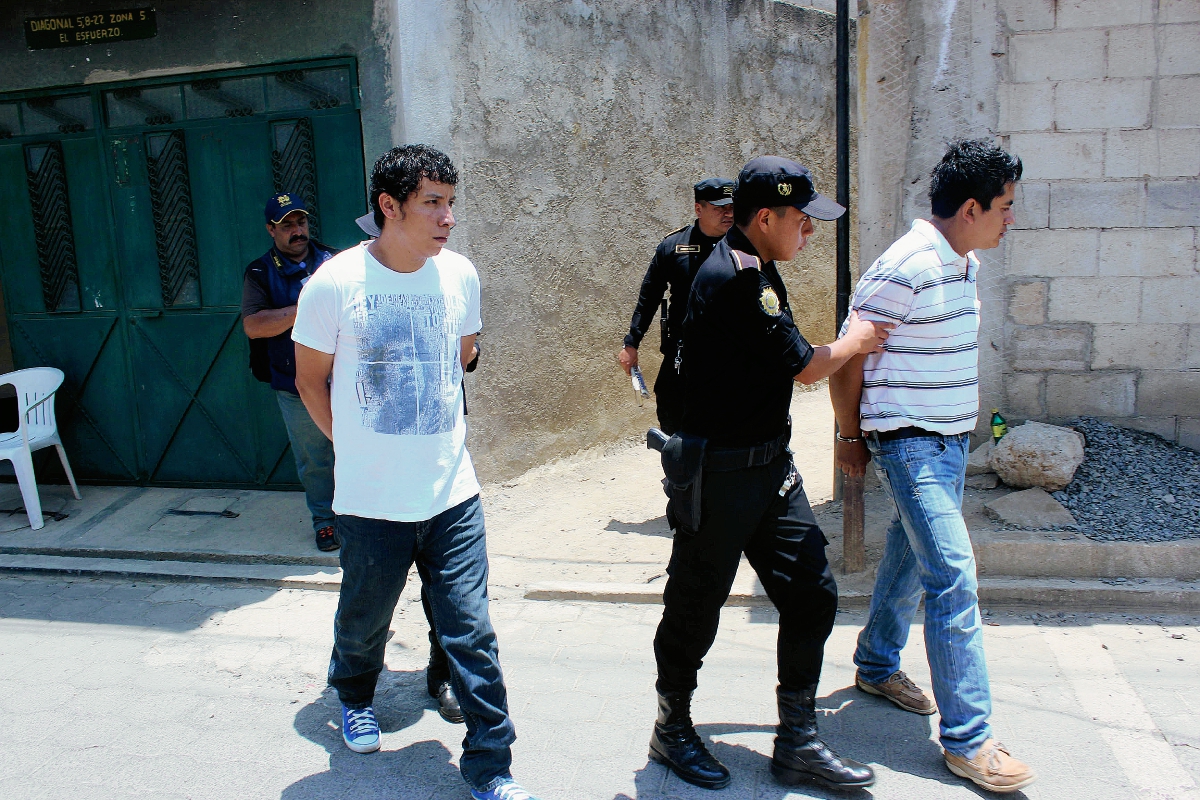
314	458
451	550
928	552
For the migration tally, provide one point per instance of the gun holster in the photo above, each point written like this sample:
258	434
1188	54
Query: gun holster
683	466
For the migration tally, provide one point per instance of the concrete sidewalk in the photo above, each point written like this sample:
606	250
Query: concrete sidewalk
588	527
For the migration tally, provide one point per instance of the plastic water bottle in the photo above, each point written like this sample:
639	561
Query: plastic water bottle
640	392
999	426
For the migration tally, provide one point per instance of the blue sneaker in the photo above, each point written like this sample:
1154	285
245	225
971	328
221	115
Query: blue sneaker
360	731
509	790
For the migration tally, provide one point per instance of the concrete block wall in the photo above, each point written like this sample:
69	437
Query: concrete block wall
1101	99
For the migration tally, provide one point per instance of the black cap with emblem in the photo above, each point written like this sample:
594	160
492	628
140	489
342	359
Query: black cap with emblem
717	191
772	181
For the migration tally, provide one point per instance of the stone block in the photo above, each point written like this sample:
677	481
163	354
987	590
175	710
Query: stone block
1171	300
1188	432
1143	346
1163	392
1052	253
1109	204
1057	56
1095	299
1023	394
1031	205
984	482
1028	15
1033	509
1179	52
1176	105
1102	394
1027	303
1148	253
1026	106
1095	13
1178	11
1131	52
1154	153
1036	454
1059	155
979	461
1046	347
1113	103
1171	204
1159	426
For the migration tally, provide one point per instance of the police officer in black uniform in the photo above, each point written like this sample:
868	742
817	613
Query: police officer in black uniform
732	485
675	262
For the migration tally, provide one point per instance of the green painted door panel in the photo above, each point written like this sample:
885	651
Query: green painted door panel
91	223
340	186
18	247
133	222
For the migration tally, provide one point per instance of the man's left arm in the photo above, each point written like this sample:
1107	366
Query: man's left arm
845	391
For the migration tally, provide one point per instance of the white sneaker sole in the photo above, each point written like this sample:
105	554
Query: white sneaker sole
362	748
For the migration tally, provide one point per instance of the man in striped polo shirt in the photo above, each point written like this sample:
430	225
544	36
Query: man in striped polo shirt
911	408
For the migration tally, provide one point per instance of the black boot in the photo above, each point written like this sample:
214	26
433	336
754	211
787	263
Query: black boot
800	753
675	744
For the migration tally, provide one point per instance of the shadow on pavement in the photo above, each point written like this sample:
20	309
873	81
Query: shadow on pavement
651	527
420	770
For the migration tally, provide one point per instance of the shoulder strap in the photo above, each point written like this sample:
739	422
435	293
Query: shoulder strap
743	261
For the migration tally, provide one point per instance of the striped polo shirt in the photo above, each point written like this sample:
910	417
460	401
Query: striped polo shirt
928	374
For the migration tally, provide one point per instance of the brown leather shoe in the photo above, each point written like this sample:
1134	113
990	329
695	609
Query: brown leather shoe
901	691
992	768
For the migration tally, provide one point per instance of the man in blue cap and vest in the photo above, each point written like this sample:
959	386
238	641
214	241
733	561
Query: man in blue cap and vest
270	289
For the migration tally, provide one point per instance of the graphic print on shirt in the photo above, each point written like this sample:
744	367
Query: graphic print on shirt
408	364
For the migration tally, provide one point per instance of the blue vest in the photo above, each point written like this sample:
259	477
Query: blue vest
285	279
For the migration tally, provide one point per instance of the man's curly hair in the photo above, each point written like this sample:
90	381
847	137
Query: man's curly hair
398	172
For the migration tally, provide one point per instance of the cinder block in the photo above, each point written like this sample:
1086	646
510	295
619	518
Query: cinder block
1193	349
1057	56
1046	347
1178	11
1027	303
1159	426
1026	106
1093	13
1188	432
1052	253
1031	205
1180	49
1172	203
1028	15
1094	299
1104	394
1131	52
1142	346
1167	300
1154	153
1111	204
1162	392
1023	395
1115	103
1146	253
1177	105
1059	155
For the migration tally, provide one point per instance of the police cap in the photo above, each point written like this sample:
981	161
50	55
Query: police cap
281	204
771	181
717	191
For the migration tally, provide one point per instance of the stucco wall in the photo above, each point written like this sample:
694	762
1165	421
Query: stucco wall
579	129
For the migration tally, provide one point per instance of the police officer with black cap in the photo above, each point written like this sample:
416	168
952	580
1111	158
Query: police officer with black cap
732	485
675	262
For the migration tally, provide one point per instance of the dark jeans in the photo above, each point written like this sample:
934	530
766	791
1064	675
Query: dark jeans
743	512
438	670
668	395
376	556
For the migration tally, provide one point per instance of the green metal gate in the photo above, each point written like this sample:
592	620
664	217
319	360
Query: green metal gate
130	212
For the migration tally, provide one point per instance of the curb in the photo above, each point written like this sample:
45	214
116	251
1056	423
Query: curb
1061	593
282	576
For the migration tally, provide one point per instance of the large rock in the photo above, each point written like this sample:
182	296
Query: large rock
980	460
1036	454
1032	509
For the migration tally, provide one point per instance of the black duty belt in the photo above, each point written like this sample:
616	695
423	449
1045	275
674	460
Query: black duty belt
909	432
727	459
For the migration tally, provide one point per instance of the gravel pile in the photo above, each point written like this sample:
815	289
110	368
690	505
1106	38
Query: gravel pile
1133	486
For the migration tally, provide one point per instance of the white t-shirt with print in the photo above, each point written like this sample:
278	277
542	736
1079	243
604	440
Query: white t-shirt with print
399	435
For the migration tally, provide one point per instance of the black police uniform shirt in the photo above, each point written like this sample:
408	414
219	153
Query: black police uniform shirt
675	262
741	348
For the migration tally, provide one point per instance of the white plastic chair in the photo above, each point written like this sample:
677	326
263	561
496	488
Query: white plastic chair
37	429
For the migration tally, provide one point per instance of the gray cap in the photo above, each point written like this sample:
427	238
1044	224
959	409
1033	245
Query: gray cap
367	223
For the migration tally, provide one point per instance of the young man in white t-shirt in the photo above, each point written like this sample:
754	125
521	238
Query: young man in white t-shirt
382	334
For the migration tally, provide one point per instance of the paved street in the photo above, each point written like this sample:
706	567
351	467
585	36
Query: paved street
116	689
